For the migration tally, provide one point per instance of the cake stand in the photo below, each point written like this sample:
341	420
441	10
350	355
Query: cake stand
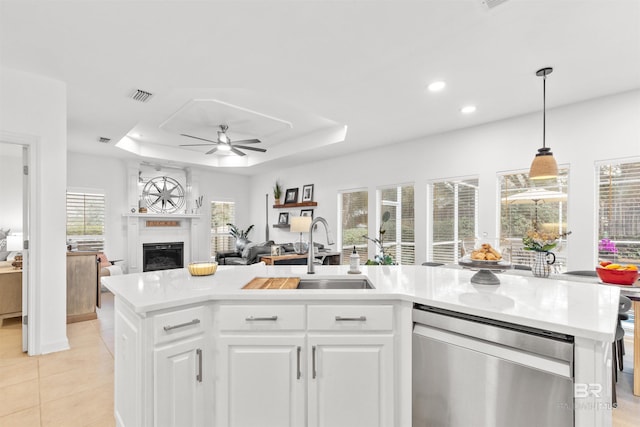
485	275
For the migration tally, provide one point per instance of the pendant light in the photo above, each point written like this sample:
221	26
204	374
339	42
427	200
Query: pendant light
544	166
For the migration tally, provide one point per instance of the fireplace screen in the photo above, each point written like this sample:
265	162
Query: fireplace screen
162	256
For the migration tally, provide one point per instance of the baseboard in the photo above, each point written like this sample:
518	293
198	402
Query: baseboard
55	347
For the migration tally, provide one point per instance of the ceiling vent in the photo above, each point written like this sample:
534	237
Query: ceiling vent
104	140
140	95
490	4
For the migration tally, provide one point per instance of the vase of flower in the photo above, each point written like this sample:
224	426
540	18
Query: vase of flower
542	262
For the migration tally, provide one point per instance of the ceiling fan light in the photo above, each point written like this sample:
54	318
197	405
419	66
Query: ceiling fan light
224	147
222	137
544	166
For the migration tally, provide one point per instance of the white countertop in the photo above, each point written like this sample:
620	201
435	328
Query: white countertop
575	307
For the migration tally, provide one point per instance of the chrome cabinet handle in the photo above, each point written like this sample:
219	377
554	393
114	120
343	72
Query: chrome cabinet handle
351	319
181	325
259	319
299	374
313	361
199	374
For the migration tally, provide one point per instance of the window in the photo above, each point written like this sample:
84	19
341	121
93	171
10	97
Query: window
524	207
454	220
619	211
222	213
85	220
354	213
399	237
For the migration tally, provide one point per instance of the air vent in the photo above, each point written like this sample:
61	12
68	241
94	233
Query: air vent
490	4
104	140
140	95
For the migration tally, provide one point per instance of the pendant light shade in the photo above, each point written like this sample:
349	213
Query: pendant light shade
544	166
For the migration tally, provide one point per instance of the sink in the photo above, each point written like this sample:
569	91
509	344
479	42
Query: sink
338	283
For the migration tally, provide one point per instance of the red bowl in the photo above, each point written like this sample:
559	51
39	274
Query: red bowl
618	277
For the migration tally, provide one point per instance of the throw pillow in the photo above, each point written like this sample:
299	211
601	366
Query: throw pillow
247	248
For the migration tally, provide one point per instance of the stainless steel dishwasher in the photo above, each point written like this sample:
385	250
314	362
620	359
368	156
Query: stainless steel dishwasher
473	371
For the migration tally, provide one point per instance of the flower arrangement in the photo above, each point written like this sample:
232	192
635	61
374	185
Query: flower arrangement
541	241
607	245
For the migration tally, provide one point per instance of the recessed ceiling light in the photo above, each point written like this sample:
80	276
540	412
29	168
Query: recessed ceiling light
468	109
436	86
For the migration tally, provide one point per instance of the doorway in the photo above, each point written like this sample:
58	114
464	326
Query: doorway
14	232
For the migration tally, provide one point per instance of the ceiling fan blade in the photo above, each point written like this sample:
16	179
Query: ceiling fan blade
247	141
196	137
262	150
238	152
213	150
194	145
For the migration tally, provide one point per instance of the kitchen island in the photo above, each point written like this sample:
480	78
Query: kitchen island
189	350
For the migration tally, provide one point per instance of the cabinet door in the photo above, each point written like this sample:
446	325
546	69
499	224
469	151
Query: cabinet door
179	387
351	381
262	381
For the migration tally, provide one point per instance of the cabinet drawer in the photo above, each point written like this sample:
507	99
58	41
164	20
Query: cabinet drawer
261	317
179	324
350	317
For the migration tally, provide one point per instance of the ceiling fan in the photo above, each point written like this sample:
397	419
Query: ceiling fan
224	143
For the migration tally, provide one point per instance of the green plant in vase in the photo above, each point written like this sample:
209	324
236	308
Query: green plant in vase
240	235
381	257
277	192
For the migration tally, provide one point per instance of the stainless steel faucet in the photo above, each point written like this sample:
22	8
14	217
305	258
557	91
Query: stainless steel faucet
311	256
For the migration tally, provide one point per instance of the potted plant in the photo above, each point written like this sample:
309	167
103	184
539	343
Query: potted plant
277	192
240	236
381	258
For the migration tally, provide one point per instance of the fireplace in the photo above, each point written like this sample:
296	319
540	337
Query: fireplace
162	256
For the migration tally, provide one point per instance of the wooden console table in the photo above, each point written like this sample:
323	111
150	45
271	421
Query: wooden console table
10	293
328	258
83	287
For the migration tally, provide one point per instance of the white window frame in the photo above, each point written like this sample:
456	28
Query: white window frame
212	234
430	211
339	234
397	257
74	239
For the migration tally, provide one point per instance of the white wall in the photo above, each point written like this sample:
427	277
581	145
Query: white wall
579	135
110	175
35	106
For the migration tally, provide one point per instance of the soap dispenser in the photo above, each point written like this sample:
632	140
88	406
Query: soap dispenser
354	262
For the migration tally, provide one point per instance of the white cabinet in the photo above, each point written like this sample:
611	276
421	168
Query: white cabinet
297	365
261	381
163	367
351	381
179	390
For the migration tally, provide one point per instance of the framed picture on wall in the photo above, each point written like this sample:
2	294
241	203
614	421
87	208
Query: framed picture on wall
283	218
307	193
307	212
291	196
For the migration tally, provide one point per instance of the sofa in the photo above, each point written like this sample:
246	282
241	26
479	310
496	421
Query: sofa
250	254
253	252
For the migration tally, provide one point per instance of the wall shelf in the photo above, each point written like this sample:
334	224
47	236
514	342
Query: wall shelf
296	205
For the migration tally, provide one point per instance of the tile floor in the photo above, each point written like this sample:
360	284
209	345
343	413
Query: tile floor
75	387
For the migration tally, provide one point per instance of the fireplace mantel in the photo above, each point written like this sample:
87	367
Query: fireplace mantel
168	216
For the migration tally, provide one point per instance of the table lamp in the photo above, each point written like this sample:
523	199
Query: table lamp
300	224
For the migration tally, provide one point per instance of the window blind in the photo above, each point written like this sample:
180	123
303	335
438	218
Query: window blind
399	236
525	206
222	213
454	219
619	211
354	219
85	220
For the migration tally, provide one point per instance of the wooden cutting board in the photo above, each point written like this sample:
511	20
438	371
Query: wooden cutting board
273	283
